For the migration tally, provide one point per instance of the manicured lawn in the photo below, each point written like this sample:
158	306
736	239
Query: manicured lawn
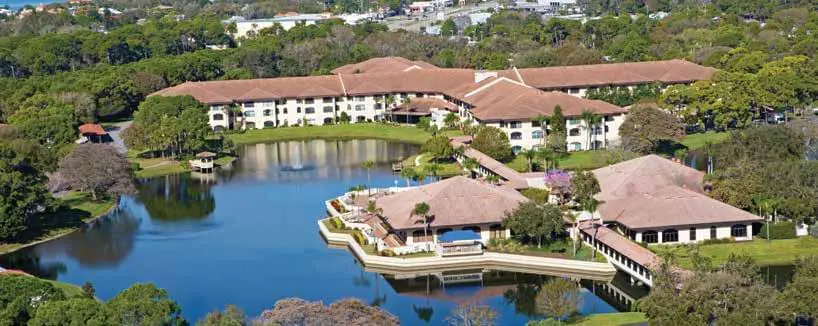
612	319
155	167
560	249
80	209
765	253
446	169
341	131
585	160
695	141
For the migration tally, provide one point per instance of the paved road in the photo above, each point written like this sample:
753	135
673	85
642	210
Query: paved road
410	24
115	133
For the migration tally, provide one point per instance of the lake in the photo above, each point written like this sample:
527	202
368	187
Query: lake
248	236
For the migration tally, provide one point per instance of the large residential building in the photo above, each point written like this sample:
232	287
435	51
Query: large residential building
402	90
654	200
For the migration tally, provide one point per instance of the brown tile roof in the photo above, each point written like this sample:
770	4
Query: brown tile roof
671	206
503	99
623	245
92	128
654	192
384	64
628	73
453	202
514	178
228	91
413	81
423	106
645	175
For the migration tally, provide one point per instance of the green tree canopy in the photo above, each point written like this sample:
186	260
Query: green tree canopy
534	222
646	128
494	143
143	304
439	147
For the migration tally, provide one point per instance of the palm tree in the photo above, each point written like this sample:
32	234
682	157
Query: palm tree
368	164
547	155
492	179
589	118
590	205
432	169
422	210
470	164
529	156
408	174
543	121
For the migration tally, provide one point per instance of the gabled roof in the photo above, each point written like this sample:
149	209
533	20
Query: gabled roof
423	106
452	202
229	91
413	81
383	64
92	128
654	192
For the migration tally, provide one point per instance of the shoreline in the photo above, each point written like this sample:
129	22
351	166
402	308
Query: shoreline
89	221
351	131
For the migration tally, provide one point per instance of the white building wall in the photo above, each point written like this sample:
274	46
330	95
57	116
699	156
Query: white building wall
702	233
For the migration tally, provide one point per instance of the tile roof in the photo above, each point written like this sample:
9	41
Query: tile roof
514	178
503	99
384	64
623	245
654	192
413	81
452	202
628	73
245	90
423	106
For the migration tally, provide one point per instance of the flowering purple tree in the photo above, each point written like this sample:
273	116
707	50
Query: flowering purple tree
558	182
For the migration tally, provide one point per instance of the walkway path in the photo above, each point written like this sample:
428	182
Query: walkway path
417	159
115	133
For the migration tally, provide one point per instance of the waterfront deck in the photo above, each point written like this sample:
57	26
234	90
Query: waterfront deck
489	260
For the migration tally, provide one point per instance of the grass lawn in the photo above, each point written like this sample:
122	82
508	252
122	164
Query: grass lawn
446	169
765	253
340	131
584	160
695	141
612	319
80	210
561	249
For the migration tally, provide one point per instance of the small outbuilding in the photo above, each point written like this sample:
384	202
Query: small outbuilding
203	162
92	132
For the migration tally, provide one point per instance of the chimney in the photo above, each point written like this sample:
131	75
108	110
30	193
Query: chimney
480	75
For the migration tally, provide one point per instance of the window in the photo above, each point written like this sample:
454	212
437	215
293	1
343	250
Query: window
309	110
516	149
419	95
268	103
309	101
360	98
713	233
573	132
327	121
299	101
249	104
328	109
536	123
268	112
692	234
516	135
378	106
285	110
576	146
598	130
269	124
216	108
503	124
250	125
218	117
573	121
298	110
606	129
515	124
327	100
738	231
359	107
249	113
277	111
360	118
650	237
596	144
609	118
670	235
573	91
536	134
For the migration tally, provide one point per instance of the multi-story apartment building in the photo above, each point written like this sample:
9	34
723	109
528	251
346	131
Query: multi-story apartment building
372	90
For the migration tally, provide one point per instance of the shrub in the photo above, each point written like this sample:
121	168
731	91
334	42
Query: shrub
539	196
778	230
388	253
813	230
359	237
718	241
135	166
506	245
337	223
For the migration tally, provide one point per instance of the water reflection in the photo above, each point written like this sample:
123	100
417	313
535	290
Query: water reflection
177	197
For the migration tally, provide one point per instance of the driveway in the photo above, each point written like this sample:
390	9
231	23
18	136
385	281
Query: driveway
115	131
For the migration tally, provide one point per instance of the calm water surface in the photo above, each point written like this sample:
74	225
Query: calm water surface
248	236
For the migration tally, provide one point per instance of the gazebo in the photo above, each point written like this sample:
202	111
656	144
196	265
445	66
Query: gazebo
203	162
92	132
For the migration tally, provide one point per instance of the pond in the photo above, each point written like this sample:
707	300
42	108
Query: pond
248	236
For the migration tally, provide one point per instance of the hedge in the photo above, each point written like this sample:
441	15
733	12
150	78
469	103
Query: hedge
336	222
778	230
359	237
